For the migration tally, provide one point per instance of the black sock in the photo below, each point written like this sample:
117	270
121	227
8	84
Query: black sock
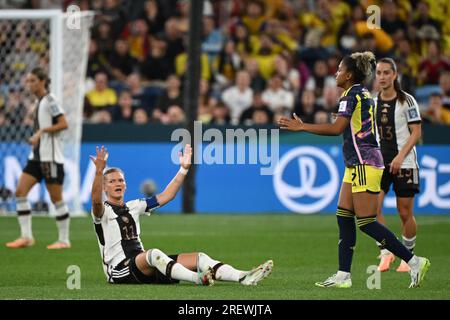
371	227
347	238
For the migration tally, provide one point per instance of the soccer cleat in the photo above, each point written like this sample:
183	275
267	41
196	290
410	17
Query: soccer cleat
257	274
59	245
403	267
335	282
206	277
418	272
21	243
385	262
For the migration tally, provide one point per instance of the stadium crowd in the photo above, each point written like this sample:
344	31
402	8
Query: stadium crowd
260	59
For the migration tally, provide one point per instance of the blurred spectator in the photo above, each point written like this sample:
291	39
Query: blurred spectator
157	65
320	79
258	83
444	83
220	115
121	62
254	17
347	38
101	96
308	107
265	56
390	20
175	115
432	65
407	65
227	63
290	76
433	113
247	117
206	102
138	39
321	117
260	117
123	112
14	111
172	95
330	99
181	61
212	38
173	37
101	116
153	16
238	97
104	38
96	61
276	97
424	19
245	43
141	98
140	117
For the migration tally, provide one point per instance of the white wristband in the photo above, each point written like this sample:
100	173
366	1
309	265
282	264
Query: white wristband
183	171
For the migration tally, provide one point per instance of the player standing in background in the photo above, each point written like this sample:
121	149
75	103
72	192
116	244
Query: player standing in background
363	172
399	129
118	230
45	162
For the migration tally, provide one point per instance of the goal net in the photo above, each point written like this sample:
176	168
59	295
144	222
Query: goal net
58	42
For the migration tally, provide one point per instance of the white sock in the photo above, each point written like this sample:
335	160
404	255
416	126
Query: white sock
228	273
62	221
343	275
413	261
158	259
24	216
225	272
409	243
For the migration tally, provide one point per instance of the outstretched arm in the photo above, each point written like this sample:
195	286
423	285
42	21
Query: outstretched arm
174	186
328	129
97	185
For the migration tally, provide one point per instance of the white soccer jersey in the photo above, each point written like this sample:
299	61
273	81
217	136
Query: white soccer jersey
393	118
50	146
118	231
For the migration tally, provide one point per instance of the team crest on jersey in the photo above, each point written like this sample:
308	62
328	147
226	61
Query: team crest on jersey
412	113
125	219
384	119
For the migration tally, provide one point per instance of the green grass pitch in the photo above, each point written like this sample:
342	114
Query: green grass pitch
303	248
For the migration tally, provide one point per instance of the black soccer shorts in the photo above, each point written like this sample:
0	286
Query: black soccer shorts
406	182
51	172
126	272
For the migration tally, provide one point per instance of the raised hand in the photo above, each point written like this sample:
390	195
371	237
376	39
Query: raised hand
185	157
100	160
295	124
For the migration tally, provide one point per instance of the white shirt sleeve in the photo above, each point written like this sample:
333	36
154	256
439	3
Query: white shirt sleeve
53	107
412	112
145	205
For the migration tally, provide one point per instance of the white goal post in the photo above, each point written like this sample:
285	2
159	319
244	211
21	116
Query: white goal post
58	42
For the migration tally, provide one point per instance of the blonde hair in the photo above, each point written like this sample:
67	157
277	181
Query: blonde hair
361	65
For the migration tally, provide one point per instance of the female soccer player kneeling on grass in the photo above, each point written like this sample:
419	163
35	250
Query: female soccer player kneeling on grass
399	129
117	226
363	172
